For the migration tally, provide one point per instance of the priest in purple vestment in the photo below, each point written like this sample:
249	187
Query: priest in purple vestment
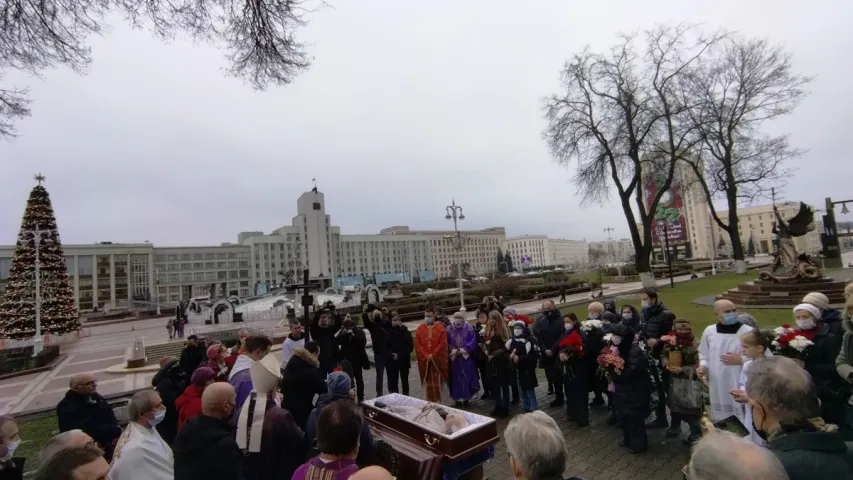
462	347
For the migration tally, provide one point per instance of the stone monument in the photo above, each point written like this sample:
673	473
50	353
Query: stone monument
792	274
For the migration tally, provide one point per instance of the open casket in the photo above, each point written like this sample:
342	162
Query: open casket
415	451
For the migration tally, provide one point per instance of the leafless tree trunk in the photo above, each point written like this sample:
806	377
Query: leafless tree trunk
619	118
258	36
734	91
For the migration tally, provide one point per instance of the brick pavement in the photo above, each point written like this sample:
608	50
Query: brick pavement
594	453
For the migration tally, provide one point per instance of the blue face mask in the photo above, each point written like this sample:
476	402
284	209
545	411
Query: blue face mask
627	316
159	415
594	316
730	318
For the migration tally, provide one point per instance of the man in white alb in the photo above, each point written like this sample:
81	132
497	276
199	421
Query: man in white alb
140	451
720	360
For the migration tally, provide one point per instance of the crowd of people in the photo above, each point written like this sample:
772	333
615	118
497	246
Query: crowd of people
239	413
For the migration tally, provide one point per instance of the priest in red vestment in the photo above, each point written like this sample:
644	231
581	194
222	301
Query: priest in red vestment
431	348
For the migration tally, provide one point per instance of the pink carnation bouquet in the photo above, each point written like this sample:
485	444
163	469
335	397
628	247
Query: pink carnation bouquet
610	363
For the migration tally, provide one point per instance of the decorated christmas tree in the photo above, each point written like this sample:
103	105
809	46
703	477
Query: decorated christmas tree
58	313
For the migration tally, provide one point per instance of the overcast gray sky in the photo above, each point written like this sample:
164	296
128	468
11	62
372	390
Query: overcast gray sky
407	105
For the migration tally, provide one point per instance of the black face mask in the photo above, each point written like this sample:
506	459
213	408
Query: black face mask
761	433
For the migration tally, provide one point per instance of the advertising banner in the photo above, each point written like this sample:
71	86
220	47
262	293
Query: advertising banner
669	214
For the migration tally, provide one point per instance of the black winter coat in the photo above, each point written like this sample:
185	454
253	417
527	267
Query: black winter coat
367	445
91	414
657	322
190	359
205	449
528	354
352	347
810	455
300	381
821	365
499	363
13	469
594	344
632	386
832	317
402	344
380	335
170	383
325	337
548	329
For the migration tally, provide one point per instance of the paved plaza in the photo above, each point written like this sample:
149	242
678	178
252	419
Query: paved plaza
104	346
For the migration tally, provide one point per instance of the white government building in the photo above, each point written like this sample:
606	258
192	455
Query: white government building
115	274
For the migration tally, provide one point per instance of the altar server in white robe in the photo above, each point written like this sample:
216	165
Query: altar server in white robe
140	451
721	361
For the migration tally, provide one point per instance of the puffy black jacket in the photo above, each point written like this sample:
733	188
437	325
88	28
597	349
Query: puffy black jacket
91	414
810	455
205	449
657	322
352	345
300	381
632	386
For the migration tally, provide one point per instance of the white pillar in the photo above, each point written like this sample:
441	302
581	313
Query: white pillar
112	281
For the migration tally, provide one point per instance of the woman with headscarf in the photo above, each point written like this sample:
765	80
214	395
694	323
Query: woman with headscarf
631	395
631	317
272	443
820	362
216	362
189	403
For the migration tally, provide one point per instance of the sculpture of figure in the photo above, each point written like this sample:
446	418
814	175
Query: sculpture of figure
792	266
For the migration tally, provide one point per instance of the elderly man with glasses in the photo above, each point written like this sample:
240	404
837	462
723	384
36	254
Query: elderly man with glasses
83	408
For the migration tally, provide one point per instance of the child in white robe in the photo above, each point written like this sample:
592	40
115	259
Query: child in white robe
755	344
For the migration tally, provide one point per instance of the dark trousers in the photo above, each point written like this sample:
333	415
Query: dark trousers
555	377
379	361
483	367
598	388
327	365
577	399
634	433
501	396
358	373
562	298
396	376
691	420
513	384
660	411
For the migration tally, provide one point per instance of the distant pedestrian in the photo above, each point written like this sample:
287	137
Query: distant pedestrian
170	327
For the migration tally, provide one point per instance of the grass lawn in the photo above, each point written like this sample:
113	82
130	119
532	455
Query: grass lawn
678	300
35	433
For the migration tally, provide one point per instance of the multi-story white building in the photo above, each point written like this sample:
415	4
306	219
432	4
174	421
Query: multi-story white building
611	251
541	251
479	253
757	222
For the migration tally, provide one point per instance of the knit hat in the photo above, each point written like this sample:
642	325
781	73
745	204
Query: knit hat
164	361
510	311
809	308
681	322
817	299
338	383
213	351
595	306
201	375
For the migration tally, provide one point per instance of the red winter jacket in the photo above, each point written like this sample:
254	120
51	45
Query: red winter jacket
188	405
526	320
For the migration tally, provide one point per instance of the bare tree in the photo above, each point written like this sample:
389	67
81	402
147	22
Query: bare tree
619	118
258	36
733	92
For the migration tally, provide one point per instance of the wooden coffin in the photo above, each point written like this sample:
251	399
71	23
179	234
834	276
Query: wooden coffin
479	435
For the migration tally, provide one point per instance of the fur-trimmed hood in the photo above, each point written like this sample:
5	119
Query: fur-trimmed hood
306	356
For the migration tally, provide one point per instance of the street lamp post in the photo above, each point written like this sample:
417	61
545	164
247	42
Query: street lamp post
454	212
36	233
157	288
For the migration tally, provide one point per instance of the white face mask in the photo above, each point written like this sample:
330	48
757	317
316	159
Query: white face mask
569	327
429	320
517	331
615	340
10	449
645	303
806	324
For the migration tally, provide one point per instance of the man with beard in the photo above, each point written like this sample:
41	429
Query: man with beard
323	329
548	328
352	342
402	345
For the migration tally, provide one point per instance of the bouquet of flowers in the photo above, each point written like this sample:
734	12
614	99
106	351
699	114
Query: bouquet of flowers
785	328
590	325
572	345
792	345
610	363
674	349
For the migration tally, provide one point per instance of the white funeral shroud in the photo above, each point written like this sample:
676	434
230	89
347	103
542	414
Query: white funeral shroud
265	377
722	378
409	408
